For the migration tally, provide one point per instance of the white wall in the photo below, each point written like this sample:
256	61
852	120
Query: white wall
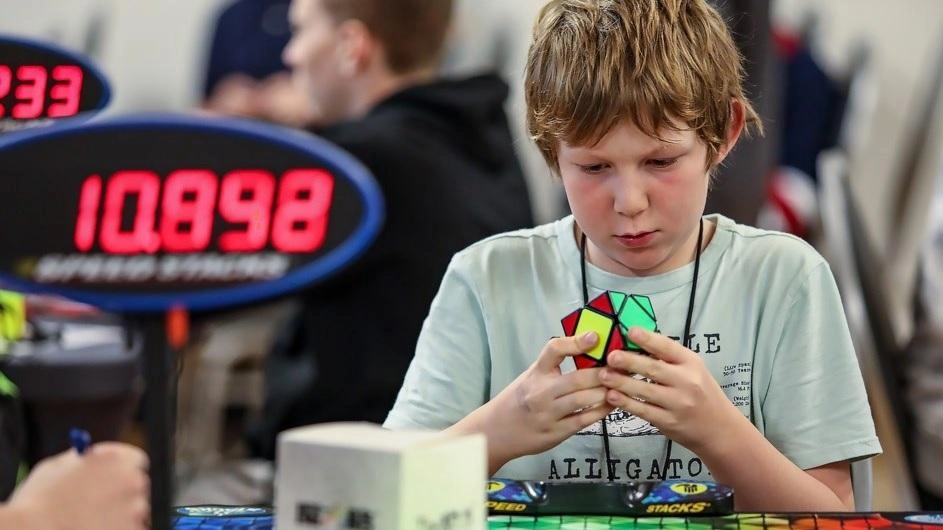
152	51
905	38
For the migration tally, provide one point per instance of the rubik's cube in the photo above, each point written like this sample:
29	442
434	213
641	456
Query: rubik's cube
610	315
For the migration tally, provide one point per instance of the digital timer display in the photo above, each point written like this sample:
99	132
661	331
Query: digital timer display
41	82
177	214
150	209
33	90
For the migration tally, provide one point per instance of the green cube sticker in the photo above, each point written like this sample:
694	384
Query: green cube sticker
636	311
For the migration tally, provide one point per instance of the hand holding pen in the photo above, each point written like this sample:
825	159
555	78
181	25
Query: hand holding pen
89	487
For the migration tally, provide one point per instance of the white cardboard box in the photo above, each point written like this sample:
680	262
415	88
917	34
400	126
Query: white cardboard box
341	476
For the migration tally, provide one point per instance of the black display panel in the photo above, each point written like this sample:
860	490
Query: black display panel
41	82
138	214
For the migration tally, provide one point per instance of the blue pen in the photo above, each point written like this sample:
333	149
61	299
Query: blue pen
80	439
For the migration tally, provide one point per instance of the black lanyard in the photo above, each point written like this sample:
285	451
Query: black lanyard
685	340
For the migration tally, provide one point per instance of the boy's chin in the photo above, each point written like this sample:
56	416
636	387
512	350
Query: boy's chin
647	262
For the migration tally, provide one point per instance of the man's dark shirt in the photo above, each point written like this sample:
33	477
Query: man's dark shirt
443	156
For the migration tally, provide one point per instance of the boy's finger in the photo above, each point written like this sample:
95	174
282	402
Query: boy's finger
646	366
658	395
659	346
578	402
647	411
575	381
574	423
559	348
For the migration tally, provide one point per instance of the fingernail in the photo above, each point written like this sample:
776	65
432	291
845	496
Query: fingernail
589	338
635	333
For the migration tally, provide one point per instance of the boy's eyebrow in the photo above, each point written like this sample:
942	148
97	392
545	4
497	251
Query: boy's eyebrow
661	144
666	146
656	148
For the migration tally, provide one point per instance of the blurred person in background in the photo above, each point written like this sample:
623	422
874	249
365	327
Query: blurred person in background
493	36
245	75
442	153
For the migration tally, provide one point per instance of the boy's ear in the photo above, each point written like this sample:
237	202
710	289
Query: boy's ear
737	123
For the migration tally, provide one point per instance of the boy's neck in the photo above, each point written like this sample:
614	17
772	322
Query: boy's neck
710	227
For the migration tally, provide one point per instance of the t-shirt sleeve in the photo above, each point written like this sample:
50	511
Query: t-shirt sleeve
816	410
449	375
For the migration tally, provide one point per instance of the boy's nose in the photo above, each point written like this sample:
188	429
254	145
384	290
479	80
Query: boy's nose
629	196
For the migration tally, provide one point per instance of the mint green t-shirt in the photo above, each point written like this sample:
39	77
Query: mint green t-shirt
767	321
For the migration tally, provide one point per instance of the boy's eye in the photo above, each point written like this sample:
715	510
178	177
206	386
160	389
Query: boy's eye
662	163
593	168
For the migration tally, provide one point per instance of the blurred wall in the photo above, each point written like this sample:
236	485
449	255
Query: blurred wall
494	36
152	51
905	39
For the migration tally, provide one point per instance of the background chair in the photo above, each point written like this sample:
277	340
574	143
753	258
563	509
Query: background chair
858	276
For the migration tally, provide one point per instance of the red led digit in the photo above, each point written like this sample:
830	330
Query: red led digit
186	222
89	199
31	91
245	197
5	78
304	199
142	237
66	91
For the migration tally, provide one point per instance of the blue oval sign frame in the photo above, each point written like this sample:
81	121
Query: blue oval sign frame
322	153
88	67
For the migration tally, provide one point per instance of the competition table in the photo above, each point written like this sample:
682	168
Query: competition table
745	521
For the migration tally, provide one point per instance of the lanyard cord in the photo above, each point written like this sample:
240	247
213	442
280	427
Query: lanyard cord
685	340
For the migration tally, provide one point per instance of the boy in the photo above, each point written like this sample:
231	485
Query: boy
752	380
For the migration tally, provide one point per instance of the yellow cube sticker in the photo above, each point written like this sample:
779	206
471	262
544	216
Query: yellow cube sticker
601	324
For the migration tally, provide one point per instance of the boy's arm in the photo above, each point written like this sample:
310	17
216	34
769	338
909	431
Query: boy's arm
813	407
688	406
474	423
762	477
448	376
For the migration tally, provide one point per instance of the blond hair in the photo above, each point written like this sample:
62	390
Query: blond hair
411	32
595	63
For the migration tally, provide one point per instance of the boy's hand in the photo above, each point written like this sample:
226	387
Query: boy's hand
543	406
683	400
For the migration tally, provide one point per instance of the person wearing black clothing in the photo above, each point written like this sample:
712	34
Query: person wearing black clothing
442	154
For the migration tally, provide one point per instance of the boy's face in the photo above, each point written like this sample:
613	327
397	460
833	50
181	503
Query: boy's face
314	55
637	199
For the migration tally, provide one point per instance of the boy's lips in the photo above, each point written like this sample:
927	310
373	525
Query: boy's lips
635	240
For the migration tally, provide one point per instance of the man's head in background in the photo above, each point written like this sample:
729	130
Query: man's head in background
350	54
